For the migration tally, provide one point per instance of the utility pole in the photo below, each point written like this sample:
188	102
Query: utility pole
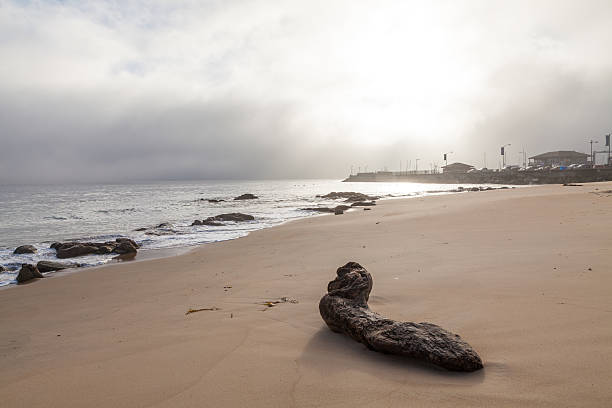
523	157
416	165
592	158
608	144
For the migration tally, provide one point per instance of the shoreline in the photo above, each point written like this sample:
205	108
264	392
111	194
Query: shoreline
520	274
155	253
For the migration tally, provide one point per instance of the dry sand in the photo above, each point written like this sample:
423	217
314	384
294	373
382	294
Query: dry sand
523	275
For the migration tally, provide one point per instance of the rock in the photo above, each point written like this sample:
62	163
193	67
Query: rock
164	225
74	249
28	272
247	196
126	247
366	209
338	211
2	268
235	217
141	229
215	221
127	240
350	196
24	249
50	266
345	310
363	204
71	250
213	200
327	209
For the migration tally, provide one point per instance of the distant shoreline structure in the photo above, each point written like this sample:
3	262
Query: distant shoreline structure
516	177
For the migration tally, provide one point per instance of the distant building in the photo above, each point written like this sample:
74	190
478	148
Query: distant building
457	168
560	158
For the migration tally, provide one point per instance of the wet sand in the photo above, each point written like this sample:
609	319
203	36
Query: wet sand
523	275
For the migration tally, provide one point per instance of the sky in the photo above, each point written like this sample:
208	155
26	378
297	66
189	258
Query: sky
119	91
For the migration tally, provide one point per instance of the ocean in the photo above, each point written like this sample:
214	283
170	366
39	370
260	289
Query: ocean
40	215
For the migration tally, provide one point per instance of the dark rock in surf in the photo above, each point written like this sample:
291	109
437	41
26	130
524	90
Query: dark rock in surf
217	220
50	266
71	250
25	249
28	272
74	249
213	200
208	223
363	204
345	310
125	246
235	217
127	241
338	211
247	196
327	209
2	268
349	196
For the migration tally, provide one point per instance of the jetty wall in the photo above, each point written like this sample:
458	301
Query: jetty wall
492	177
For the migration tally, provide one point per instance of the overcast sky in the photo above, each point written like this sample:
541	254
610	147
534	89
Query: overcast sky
131	90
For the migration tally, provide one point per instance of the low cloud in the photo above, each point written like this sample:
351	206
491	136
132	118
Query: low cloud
116	92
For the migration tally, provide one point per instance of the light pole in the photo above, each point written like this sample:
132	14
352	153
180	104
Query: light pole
416	165
608	144
591	142
523	157
503	153
445	157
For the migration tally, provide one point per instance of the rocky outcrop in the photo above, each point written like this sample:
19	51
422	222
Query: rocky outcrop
217	220
349	196
50	266
247	196
2	268
345	310
363	204
28	272
212	200
338	208
73	249
25	249
165	228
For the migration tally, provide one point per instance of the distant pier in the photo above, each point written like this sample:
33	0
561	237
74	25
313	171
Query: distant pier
517	177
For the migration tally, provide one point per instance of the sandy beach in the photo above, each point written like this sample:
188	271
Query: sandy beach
523	275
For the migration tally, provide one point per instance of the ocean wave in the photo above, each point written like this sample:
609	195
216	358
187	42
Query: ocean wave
117	210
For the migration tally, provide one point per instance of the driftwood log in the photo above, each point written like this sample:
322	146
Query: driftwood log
345	310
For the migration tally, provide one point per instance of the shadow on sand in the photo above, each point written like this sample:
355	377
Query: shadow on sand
333	353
